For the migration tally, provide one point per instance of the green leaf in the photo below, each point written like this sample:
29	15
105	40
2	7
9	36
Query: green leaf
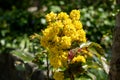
26	57
99	73
105	65
91	75
97	47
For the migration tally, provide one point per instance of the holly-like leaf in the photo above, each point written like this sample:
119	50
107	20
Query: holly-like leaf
26	57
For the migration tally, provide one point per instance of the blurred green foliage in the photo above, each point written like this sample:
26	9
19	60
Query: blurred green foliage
17	23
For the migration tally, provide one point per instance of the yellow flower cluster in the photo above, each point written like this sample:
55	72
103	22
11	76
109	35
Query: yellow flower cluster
61	32
79	58
79	55
58	76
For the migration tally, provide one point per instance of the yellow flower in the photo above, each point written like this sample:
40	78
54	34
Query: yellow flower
65	42
51	17
57	27
55	61
62	15
77	24
35	36
75	14
64	58
69	30
47	31
58	76
67	21
79	59
56	39
81	36
43	41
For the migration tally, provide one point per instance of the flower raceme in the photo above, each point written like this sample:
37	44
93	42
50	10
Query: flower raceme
62	31
68	51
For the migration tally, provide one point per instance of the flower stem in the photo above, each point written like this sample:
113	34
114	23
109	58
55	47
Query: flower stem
71	74
47	67
72	77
